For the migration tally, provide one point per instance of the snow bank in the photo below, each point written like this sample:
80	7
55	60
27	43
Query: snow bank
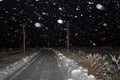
71	69
15	66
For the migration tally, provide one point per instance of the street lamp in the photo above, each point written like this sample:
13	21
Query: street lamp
68	34
38	25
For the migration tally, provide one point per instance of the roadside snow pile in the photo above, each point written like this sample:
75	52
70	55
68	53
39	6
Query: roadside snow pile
81	74
71	69
15	66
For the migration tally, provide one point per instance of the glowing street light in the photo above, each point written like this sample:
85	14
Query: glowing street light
60	21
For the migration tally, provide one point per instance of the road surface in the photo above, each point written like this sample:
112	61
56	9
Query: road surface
43	67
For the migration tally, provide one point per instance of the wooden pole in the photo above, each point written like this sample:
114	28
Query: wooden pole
24	38
68	37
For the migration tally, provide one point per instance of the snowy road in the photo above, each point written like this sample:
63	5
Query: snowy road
43	67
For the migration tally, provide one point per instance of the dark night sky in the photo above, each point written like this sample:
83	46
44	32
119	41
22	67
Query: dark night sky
92	22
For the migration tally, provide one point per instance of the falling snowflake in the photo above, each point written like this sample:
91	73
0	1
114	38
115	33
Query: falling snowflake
81	15
94	44
60	9
6	11
46	28
90	3
103	39
105	24
76	16
54	3
8	34
100	7
43	13
60	21
76	34
36	0
38	25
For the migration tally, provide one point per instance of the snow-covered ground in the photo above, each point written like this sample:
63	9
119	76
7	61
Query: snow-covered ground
71	69
15	66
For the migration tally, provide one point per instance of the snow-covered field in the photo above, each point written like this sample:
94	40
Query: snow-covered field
71	69
15	66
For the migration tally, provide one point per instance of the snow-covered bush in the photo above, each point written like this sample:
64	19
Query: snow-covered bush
102	66
96	65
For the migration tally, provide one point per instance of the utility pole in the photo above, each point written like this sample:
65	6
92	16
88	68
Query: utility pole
68	37
24	38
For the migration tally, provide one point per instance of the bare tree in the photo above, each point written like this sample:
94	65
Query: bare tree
116	60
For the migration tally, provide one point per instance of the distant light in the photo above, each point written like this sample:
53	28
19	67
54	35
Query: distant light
1	0
60	21
38	25
100	7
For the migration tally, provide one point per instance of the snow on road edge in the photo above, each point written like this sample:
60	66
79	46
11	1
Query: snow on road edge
71	69
15	66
